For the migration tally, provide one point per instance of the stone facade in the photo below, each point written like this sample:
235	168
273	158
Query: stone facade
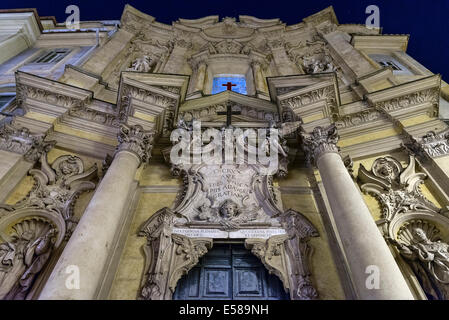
87	180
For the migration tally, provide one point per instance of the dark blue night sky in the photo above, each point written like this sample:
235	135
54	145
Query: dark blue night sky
427	21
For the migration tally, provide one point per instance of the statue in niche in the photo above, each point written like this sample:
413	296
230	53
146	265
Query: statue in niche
12	264
35	258
318	64
430	261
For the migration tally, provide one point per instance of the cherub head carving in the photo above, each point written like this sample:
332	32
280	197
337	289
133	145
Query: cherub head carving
229	209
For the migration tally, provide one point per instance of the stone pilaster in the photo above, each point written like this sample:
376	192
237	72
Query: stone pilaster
361	240
92	241
177	56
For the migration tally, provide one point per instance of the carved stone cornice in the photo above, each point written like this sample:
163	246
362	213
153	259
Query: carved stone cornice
104	118
47	96
428	95
299	100
210	112
320	141
157	99
135	140
359	118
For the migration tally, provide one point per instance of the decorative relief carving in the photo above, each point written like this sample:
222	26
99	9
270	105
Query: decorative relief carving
312	56
95	116
24	256
319	141
128	93
142	64
135	140
359	118
210	112
327	94
18	140
419	243
429	95
432	144
26	92
273	256
32	227
396	188
56	189
299	231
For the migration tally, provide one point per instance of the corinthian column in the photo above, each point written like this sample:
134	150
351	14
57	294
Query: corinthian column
369	259
92	240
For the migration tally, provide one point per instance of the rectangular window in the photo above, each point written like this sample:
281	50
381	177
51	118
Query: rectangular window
237	82
52	56
385	60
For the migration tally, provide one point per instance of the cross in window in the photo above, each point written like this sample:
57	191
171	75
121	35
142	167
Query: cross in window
229	85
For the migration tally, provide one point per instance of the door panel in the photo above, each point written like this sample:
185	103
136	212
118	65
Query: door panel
229	272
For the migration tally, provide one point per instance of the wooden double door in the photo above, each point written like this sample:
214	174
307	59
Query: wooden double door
229	272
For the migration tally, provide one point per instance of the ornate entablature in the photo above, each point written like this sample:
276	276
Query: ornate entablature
410	222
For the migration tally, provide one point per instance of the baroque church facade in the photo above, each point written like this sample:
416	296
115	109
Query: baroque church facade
92	205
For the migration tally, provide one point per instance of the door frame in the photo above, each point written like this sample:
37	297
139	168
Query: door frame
169	256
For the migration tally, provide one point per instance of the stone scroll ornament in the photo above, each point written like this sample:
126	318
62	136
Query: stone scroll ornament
167	256
410	222
34	227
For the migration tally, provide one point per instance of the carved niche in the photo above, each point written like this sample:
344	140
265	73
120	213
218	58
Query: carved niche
411	223
35	226
226	201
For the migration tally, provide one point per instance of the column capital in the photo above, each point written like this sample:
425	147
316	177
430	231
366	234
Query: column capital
320	141
136	140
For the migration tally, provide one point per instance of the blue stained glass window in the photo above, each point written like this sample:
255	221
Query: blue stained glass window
238	80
